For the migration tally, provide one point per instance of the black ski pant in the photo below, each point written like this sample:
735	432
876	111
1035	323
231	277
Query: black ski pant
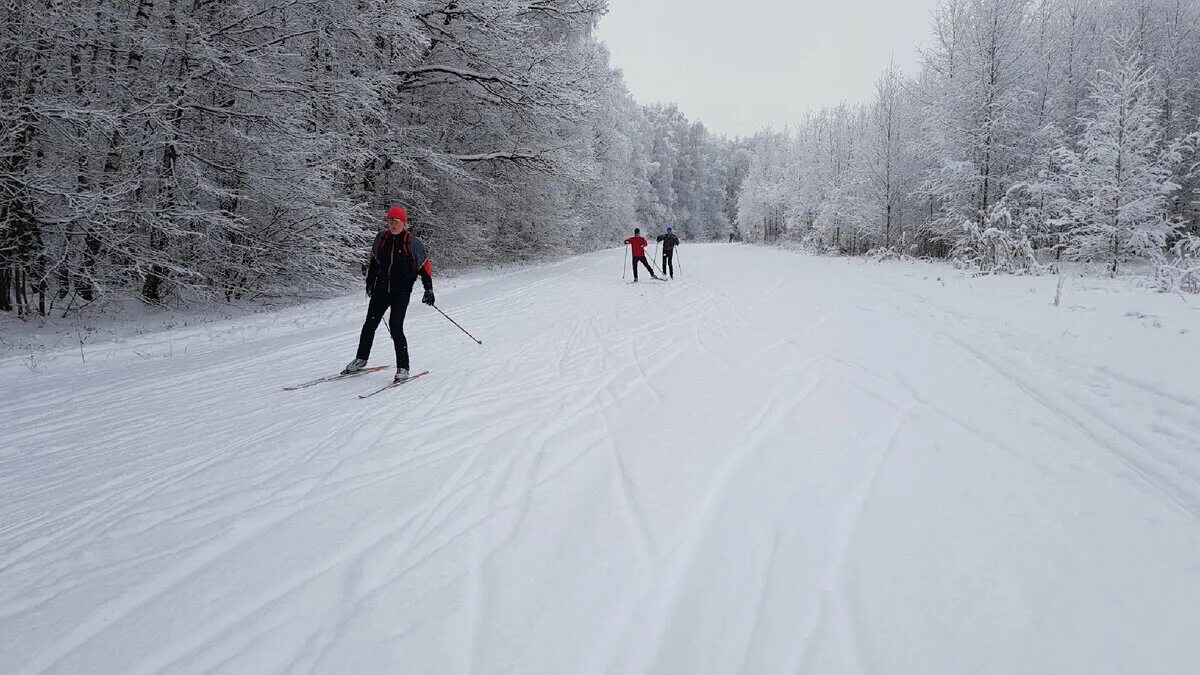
381	301
641	259
668	266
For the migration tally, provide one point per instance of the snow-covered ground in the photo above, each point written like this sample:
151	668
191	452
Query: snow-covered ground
775	463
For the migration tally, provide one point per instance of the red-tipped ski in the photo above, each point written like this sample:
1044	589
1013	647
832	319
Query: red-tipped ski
332	378
394	384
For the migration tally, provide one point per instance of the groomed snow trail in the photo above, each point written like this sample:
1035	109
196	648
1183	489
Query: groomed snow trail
775	463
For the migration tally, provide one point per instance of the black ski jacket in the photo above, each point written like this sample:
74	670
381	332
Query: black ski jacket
395	262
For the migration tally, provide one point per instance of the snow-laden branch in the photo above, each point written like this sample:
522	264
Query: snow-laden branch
461	73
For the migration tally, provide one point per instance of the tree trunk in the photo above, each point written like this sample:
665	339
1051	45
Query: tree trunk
5	288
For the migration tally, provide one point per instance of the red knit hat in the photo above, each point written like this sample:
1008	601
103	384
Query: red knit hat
398	212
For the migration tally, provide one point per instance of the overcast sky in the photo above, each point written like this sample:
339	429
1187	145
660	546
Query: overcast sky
740	66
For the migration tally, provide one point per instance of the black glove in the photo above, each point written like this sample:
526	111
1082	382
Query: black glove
428	299
368	290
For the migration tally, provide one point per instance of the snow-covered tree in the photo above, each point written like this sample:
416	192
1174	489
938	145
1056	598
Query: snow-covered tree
165	149
1119	179
966	152
882	177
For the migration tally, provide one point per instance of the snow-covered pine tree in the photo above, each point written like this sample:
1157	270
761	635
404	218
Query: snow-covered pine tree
1118	181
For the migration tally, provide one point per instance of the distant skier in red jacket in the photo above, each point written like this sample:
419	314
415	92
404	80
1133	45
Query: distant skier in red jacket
637	245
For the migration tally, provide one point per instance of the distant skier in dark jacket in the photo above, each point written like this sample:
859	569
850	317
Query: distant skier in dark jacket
669	242
397	258
637	245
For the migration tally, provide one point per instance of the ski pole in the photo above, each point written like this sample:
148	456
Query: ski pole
654	263
624	264
464	330
678	260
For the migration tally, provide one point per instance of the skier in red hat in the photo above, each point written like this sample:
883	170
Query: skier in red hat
396	259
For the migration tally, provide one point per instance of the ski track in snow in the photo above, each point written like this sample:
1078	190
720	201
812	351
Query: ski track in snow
774	463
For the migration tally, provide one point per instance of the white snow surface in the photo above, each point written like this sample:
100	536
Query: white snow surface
775	463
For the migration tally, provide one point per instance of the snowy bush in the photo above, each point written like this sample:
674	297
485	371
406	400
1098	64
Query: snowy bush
997	247
1180	271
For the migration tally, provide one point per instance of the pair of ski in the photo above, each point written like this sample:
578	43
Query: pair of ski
342	376
662	279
